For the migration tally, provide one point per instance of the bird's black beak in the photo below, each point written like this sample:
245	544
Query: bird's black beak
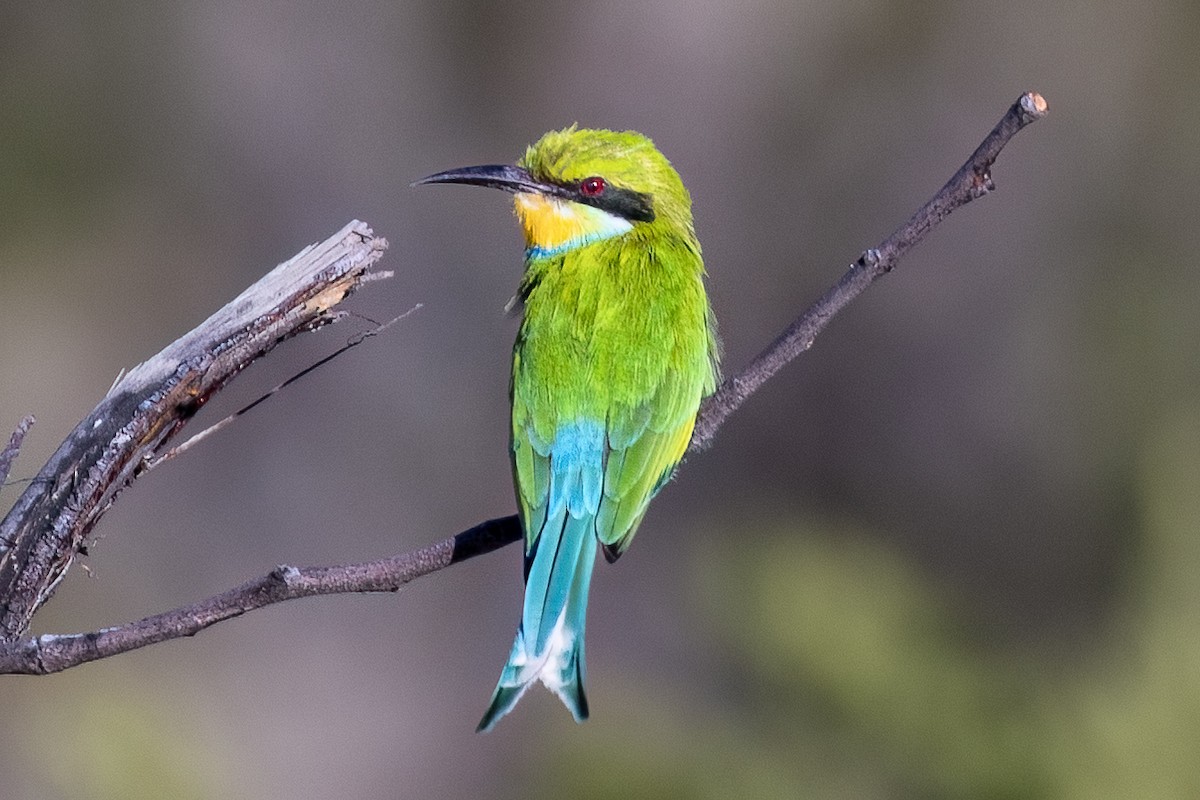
498	176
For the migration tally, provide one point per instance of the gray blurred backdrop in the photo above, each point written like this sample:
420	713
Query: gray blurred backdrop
952	552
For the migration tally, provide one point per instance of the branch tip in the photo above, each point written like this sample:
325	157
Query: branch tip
1033	105
11	450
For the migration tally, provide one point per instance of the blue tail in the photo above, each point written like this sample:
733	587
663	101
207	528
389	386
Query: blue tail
549	642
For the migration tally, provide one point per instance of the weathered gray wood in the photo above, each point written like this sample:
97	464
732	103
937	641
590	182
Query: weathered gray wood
50	521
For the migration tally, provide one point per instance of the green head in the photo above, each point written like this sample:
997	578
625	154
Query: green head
580	185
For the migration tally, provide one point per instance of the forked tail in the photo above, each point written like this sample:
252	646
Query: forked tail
549	642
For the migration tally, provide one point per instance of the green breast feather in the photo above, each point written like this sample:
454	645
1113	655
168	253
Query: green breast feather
615	335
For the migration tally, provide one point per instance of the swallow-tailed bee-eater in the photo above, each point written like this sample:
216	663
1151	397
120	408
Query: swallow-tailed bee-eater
615	351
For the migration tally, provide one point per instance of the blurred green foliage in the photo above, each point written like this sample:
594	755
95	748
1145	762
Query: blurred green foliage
116	745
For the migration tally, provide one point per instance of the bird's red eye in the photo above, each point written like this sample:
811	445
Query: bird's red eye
591	187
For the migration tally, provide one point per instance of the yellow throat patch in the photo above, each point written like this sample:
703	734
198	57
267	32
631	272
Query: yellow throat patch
553	226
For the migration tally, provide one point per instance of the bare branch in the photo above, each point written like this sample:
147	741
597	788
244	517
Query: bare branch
145	408
42	655
973	180
54	653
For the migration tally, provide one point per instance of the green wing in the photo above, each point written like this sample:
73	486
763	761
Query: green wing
644	445
641	447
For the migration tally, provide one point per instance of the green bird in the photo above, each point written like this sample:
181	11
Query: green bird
616	349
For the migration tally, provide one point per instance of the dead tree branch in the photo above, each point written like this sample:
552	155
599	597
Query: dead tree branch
46	654
145	408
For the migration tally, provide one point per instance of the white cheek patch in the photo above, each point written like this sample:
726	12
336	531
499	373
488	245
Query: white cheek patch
605	223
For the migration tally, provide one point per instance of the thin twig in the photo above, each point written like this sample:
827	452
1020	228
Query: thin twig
354	341
48	654
11	450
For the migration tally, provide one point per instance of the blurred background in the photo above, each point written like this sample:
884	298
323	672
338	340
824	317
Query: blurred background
952	552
